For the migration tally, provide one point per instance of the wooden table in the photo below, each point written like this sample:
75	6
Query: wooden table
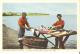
59	40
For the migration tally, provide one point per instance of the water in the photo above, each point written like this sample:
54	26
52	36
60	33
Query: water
36	21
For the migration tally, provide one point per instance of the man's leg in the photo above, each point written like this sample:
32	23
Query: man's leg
20	43
20	38
61	44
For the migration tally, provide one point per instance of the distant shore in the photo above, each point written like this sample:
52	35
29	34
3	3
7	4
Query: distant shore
19	14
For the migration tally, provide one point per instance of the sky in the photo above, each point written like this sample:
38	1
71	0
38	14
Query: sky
50	8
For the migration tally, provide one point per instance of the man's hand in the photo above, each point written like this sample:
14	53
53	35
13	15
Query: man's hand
28	28
57	26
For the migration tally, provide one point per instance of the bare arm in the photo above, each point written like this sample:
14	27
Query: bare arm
27	24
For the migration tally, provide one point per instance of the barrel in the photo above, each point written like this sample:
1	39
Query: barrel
35	42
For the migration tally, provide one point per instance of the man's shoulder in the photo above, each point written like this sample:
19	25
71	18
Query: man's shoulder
20	19
62	20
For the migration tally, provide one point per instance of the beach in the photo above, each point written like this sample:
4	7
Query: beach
10	40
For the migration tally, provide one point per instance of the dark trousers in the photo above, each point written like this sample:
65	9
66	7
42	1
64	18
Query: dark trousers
21	32
21	35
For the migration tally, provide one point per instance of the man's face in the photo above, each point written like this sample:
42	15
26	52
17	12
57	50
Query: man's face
59	17
24	15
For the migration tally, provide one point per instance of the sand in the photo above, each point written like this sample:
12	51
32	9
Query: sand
10	40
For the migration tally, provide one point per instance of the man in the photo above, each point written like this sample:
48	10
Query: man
59	24
22	22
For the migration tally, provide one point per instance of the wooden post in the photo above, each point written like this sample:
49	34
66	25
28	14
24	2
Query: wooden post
56	43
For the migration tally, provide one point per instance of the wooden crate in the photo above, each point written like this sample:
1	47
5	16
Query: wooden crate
35	42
